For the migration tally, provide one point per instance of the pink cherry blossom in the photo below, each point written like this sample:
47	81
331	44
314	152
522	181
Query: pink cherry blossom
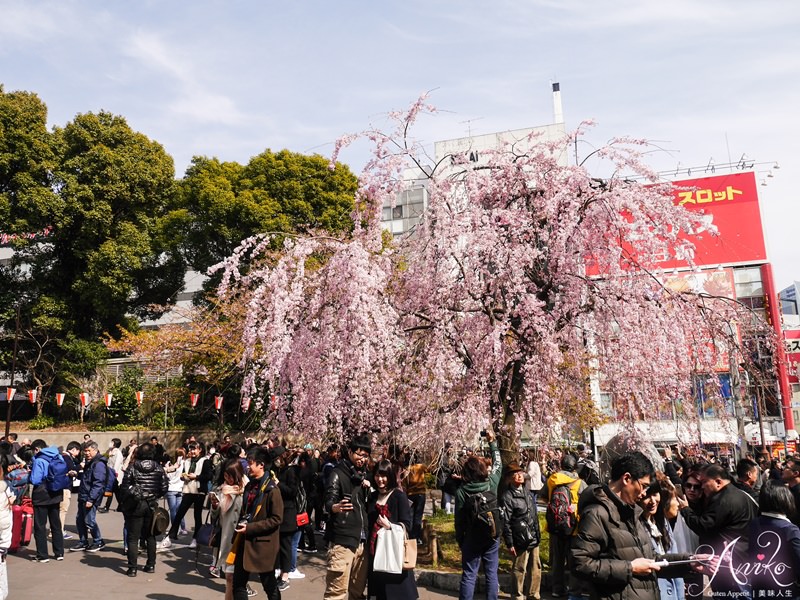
525	279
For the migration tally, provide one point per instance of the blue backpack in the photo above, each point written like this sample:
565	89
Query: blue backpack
57	478
111	480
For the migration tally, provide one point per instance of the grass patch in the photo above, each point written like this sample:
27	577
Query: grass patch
444	525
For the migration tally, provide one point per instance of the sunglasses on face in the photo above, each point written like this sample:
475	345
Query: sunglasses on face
694	486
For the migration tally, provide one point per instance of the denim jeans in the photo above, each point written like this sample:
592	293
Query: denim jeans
173	501
417	512
295	543
86	521
472	554
448	503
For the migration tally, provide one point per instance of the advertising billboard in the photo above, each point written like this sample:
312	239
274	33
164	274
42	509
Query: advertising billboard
792	344
730	203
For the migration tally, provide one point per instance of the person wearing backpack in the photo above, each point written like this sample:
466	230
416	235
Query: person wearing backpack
478	522
563	489
49	478
588	469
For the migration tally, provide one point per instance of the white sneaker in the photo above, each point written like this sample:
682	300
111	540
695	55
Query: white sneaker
165	543
296	574
193	544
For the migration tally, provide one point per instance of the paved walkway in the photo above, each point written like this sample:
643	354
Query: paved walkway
101	575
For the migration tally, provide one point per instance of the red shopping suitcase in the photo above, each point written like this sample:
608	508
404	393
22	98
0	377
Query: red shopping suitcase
22	524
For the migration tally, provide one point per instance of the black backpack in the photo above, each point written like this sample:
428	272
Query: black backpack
486	518
589	471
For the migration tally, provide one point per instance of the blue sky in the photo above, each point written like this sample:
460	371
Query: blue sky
703	79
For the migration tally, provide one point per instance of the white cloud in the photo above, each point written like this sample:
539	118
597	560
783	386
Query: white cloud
194	98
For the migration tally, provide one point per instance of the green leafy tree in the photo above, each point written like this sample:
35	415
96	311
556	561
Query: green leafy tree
224	202
124	409
106	258
26	162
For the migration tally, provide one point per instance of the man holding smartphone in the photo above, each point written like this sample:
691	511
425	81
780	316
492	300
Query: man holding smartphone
346	502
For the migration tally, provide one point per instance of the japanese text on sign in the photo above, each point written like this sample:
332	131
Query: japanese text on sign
706	196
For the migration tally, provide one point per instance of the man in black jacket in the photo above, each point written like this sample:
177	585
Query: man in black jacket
746	477
725	517
93	484
346	503
521	535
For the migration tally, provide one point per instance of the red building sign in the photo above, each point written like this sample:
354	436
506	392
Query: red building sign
730	203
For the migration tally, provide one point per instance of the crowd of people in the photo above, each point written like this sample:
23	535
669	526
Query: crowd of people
700	527
264	501
697	528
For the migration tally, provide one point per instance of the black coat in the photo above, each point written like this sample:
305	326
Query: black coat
152	482
345	528
725	517
150	476
288	482
521	529
390	586
610	535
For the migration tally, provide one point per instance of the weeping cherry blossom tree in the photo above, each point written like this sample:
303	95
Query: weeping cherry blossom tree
526	280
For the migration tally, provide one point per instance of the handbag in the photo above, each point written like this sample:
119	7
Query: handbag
205	533
389	550
160	521
410	554
302	519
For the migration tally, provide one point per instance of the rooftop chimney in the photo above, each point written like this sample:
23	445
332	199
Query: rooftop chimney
558	111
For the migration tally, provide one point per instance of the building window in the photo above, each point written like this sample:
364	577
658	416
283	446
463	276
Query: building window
397	212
